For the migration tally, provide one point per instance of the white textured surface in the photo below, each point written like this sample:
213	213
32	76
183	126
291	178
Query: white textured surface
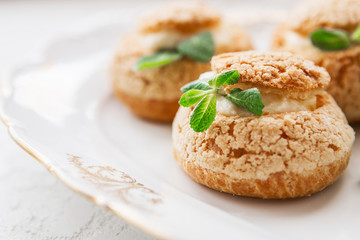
33	203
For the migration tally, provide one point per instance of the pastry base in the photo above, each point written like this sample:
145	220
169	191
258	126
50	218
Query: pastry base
278	185
150	109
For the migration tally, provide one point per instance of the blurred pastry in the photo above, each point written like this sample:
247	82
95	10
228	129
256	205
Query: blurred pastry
284	138
151	89
334	21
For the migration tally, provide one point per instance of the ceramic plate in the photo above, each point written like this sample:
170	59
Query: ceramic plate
60	109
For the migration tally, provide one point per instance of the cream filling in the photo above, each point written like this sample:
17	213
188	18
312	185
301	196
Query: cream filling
207	74
165	39
298	43
274	103
170	39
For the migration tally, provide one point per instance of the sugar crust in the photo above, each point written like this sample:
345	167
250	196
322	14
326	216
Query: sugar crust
277	70
343	66
150	109
161	85
184	17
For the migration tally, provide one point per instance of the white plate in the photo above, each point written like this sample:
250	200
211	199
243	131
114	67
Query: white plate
60	109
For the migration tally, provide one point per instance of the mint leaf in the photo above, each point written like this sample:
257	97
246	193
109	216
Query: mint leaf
192	97
199	47
355	36
156	60
204	91
201	84
249	99
330	40
204	113
226	78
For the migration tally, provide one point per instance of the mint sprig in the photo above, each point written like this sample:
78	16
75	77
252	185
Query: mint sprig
199	48
334	39
249	99
201	84
330	40
227	78
204	91
355	36
204	113
192	97
156	60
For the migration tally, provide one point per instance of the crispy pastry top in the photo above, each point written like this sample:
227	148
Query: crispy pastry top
183	17
274	70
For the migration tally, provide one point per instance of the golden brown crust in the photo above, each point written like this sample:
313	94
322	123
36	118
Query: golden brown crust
344	69
343	14
278	185
184	17
162	83
151	109
281	155
154	93
277	70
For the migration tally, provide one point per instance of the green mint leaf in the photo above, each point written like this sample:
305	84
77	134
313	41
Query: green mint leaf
355	36
330	40
199	47
158	59
226	78
204	113
200	84
192	97
249	99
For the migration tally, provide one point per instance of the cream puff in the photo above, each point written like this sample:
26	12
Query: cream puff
343	65
300	143
153	93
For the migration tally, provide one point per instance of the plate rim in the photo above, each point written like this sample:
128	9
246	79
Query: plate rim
5	80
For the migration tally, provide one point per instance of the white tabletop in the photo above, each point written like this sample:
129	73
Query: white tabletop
33	203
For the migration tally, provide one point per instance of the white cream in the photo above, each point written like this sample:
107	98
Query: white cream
165	39
277	104
170	39
273	104
298	43
228	108
293	39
